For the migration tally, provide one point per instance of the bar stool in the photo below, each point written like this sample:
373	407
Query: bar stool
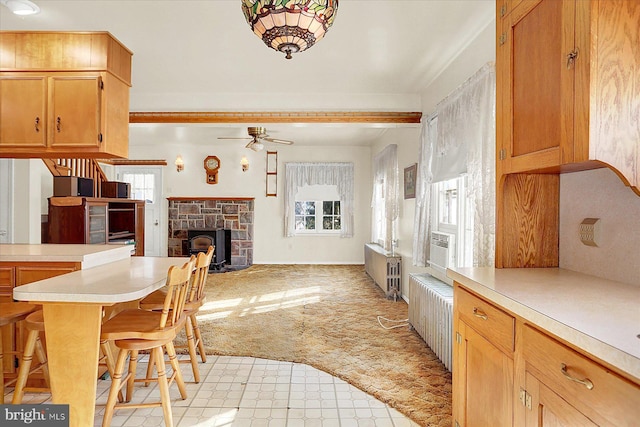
195	300
34	324
137	330
11	313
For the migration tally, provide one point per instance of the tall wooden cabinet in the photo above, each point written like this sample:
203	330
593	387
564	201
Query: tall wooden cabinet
567	94
97	221
64	95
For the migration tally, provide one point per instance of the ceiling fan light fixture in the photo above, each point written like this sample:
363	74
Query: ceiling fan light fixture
290	26
257	146
21	7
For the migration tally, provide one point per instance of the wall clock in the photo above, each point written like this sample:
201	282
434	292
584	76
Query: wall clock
211	166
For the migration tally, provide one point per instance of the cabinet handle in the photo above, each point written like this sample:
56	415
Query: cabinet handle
37	124
571	58
585	382
479	313
58	124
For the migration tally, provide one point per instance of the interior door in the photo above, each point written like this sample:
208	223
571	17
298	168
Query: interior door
146	184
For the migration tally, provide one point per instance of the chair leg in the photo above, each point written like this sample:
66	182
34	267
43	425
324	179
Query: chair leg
191	345
116	379
196	332
133	365
108	356
177	373
150	365
25	367
163	384
42	358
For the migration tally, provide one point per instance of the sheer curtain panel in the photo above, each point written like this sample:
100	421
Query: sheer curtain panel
300	174
422	217
385	201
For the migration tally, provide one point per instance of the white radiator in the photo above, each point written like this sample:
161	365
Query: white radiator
431	314
384	268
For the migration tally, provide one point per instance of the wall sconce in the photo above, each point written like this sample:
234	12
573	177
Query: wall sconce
179	163
245	164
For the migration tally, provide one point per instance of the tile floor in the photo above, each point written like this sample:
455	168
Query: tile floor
249	392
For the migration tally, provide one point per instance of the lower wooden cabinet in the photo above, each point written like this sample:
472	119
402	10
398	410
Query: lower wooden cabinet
547	409
16	274
483	378
508	372
483	367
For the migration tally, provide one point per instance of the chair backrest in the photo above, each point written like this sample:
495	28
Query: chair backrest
200	275
178	279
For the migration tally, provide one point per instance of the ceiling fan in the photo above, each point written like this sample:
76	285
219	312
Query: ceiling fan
258	134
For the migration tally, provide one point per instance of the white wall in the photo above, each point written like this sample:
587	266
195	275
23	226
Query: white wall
27	199
600	194
270	245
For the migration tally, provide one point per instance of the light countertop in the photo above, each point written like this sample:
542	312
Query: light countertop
88	255
119	281
600	316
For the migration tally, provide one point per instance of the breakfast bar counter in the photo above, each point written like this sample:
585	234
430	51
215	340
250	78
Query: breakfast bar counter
73	308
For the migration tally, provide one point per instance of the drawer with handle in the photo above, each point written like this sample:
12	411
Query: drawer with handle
591	388
489	321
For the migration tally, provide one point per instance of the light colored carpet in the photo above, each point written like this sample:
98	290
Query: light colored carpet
326	317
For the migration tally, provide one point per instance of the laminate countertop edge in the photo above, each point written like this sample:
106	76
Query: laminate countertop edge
599	316
88	256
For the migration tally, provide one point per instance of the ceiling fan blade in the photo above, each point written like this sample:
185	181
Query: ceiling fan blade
279	141
233	137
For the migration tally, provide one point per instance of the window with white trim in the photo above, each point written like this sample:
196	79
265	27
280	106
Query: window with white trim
318	210
452	213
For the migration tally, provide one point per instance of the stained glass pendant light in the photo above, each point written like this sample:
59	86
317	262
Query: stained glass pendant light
290	26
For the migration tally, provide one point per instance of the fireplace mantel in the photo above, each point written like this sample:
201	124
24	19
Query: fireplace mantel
213	213
188	199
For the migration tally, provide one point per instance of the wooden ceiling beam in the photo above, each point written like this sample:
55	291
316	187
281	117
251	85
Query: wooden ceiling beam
277	117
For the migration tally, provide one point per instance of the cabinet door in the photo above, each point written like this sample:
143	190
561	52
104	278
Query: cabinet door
97	224
75	112
483	380
550	410
536	90
22	111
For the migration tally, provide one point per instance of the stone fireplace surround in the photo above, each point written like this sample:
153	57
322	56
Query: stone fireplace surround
211	213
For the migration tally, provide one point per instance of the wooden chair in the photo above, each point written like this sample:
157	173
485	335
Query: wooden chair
134	330
195	300
11	313
35	325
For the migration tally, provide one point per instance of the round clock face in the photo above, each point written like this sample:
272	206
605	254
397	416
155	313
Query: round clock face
212	163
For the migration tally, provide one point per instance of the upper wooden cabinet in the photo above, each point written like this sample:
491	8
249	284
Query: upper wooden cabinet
567	86
63	95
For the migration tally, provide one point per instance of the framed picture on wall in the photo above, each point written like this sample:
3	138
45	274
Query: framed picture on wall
410	175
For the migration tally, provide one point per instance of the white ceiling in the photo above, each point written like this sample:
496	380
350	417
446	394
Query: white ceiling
380	55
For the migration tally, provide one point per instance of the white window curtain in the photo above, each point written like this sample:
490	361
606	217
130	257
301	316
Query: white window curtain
385	201
480	111
422	217
300	174
464	142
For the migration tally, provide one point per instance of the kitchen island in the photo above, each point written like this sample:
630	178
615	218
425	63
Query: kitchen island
552	343
73	308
